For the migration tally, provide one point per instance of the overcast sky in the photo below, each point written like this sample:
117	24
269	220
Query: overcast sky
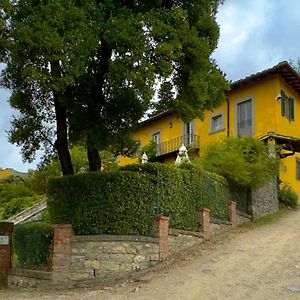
255	35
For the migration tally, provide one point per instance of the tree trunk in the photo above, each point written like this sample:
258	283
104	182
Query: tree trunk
94	159
95	104
61	143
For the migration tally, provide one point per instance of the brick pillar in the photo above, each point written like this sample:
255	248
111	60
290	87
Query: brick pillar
204	222
161	230
62	240
232	213
6	229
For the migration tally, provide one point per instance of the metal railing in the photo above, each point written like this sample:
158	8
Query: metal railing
190	141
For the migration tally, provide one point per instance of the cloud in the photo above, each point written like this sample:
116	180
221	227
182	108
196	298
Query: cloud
255	35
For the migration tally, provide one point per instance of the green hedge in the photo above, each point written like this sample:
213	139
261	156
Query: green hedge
32	245
95	203
125	202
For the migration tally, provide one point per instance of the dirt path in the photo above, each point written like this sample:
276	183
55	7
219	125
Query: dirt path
263	263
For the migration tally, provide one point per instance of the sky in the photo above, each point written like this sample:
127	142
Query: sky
254	35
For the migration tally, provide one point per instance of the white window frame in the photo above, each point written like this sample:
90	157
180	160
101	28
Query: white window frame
251	98
212	117
188	137
157	133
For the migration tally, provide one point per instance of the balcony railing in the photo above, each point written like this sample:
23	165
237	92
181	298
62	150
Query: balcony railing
190	141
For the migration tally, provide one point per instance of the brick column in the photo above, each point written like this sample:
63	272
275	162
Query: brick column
161	230
62	239
232	213
204	222
6	229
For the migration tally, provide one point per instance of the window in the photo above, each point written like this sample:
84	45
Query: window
244	116
217	122
188	134
156	139
287	106
297	168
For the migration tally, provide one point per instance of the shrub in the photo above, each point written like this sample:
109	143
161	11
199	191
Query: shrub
124	202
95	203
32	245
287	196
17	205
9	191
243	161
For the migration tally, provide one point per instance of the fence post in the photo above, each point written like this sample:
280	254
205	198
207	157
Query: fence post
161	230
204	222
6	229
62	242
232	213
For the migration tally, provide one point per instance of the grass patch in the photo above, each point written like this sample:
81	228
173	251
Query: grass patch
269	219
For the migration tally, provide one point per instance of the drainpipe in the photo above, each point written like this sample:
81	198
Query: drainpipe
228	131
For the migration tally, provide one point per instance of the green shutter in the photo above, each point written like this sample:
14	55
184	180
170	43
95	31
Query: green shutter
283	100
291	109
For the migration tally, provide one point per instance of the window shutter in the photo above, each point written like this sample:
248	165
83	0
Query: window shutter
291	109
283	100
297	169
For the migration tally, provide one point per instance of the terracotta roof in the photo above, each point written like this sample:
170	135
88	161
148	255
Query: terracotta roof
283	140
283	68
156	117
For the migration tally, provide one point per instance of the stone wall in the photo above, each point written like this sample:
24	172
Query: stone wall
84	260
264	200
29	279
180	240
110	257
218	227
243	218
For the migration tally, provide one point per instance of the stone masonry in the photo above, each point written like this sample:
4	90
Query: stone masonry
264	200
109	256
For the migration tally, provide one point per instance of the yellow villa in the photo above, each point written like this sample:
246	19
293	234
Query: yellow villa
265	105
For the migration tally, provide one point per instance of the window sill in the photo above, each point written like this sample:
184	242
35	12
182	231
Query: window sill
216	131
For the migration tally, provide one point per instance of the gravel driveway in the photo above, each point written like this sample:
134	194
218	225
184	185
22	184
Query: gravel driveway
263	263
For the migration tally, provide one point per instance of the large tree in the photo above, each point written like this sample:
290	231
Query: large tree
47	48
93	67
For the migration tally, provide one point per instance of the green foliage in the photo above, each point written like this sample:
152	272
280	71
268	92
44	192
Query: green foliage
37	180
105	84
287	196
32	245
16	205
243	161
95	203
124	202
10	191
150	150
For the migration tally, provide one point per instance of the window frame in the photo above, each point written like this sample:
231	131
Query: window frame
297	168
236	104
212	117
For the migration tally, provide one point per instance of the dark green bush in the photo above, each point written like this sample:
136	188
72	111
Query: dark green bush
125	202
287	196
32	245
95	203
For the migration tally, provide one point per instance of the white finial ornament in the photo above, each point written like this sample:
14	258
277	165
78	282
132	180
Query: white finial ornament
144	158
182	156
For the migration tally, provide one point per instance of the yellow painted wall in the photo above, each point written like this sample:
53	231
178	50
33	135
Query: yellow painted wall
266	115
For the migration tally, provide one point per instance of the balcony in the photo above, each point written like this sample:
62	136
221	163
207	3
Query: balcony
190	141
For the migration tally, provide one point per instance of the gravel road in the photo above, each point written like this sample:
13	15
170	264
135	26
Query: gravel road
261	263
